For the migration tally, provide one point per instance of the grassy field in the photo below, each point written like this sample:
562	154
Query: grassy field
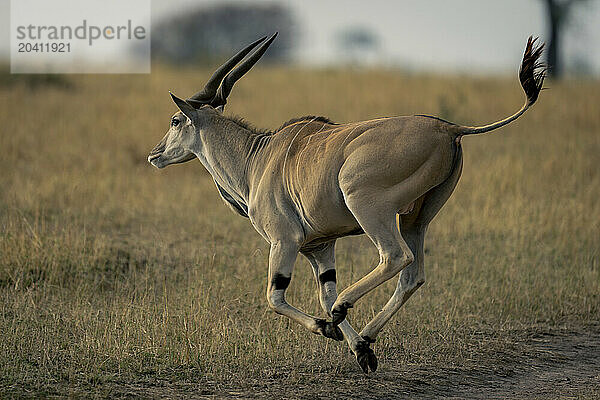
119	280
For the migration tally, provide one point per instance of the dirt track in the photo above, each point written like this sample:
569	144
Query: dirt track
556	366
564	365
551	366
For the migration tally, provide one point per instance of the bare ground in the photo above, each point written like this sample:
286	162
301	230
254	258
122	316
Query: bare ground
552	365
564	365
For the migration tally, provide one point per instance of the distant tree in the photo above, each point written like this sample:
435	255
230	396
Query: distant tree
357	44
559	12
205	34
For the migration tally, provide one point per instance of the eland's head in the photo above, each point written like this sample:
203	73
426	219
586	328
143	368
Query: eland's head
182	142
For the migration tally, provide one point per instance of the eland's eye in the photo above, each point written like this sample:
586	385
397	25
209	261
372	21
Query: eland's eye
174	122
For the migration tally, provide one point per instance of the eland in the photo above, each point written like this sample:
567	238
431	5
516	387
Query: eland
312	181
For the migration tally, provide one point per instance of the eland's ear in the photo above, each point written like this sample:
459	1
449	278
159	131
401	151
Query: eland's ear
185	107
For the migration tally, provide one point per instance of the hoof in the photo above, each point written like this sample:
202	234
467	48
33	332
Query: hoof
329	330
366	357
368	339
339	312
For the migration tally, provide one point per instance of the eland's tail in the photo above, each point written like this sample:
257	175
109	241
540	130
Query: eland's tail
531	75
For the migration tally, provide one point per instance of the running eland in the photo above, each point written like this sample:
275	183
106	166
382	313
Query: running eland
313	181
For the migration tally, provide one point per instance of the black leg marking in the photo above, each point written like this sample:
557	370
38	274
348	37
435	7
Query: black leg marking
327	276
281	282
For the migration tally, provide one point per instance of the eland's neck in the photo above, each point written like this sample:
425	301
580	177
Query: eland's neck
227	151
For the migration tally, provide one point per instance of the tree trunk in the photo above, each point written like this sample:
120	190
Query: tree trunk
555	14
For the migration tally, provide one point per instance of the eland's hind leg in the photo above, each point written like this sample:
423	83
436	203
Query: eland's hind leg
322	261
411	278
376	190
413	227
378	220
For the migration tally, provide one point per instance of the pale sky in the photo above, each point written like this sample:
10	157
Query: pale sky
442	35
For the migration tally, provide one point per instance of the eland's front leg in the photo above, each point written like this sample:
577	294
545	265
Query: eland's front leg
281	264
322	261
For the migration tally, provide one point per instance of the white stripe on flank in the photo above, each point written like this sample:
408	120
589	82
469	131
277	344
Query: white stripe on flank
290	146
304	149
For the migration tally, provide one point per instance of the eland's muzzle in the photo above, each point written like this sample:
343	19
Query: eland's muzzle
154	159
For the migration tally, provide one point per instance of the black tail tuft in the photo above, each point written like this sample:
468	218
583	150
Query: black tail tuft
531	75
532	72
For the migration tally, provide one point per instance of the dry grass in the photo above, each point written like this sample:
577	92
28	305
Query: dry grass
116	278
